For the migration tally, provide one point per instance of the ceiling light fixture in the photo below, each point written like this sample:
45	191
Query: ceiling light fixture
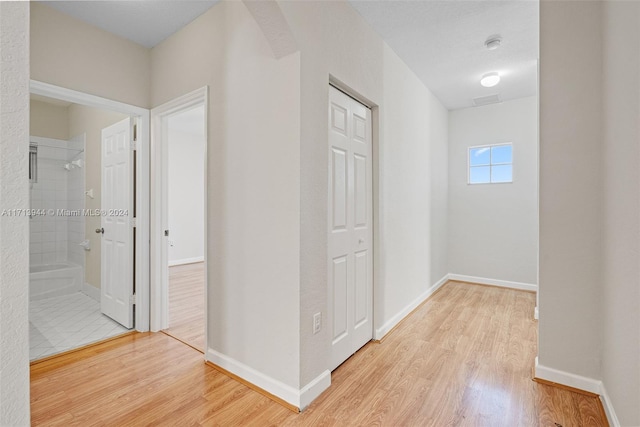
490	79
493	42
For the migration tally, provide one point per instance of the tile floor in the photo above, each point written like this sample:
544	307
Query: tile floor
62	323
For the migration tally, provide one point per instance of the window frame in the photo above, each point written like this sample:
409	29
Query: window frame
490	164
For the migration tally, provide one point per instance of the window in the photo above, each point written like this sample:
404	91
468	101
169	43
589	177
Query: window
490	164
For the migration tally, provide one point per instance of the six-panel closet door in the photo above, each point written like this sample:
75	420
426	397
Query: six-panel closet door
350	260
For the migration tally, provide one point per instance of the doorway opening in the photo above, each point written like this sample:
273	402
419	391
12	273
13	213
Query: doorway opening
185	224
179	138
84	220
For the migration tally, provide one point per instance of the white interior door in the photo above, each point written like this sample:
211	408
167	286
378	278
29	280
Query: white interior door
350	269
117	225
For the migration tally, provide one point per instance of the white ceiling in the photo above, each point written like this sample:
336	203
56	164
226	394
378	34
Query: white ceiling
443	43
146	22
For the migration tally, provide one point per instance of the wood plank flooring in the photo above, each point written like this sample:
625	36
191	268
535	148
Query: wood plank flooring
186	304
463	358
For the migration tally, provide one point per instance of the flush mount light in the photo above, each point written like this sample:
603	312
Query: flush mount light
493	42
490	79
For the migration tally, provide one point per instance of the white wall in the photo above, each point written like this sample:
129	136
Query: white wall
411	135
186	189
14	230
570	187
493	228
413	183
48	120
70	53
621	209
590	204
267	192
253	188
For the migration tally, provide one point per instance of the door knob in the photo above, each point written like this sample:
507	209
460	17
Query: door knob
100	230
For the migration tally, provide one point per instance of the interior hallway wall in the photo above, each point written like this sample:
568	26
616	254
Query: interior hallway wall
14	230
70	53
410	251
48	120
571	112
620	297
493	228
253	188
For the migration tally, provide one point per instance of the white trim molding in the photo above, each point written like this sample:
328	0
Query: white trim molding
608	408
311	391
582	383
398	317
186	261
298	398
494	282
567	378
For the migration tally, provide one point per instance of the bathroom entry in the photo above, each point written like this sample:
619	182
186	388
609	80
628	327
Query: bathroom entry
179	139
73	194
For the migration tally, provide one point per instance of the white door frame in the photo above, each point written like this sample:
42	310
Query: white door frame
159	215
142	183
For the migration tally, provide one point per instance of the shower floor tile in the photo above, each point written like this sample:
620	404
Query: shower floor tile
66	322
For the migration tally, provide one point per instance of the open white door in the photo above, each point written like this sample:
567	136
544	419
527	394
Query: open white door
117	223
350	260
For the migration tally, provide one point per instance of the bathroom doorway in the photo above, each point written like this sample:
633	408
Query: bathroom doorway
82	238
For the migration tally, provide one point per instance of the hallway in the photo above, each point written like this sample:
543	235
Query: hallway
464	357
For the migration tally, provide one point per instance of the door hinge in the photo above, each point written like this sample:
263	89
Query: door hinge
135	132
134	145
132	299
133	222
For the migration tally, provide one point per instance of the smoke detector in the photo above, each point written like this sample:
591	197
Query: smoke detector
493	42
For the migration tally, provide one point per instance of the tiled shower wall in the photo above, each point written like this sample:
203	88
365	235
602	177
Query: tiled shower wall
48	233
75	201
54	238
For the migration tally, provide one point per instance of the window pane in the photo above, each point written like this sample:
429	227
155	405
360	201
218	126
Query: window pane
479	156
501	154
479	174
501	173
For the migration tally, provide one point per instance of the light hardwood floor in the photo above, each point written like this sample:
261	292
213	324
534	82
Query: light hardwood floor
186	304
464	358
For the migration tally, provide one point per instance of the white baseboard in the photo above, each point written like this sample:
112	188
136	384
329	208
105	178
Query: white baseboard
391	323
567	378
608	408
298	398
581	383
494	282
312	390
186	261
91	291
